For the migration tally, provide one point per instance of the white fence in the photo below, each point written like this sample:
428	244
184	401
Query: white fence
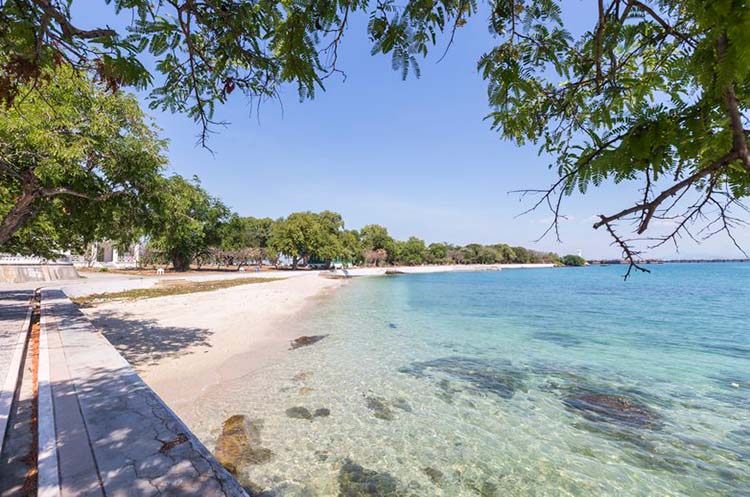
23	260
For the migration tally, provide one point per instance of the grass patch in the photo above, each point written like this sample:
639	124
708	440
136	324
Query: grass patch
165	289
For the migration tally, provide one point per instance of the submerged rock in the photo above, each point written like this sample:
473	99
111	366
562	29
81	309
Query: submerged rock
356	481
616	409
302	376
392	326
252	489
239	444
496	377
322	412
379	408
435	475
299	412
484	489
304	341
402	403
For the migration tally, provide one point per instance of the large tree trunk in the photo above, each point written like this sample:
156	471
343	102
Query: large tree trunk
295	261
18	216
181	263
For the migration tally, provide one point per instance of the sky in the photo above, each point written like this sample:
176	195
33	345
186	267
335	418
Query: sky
416	156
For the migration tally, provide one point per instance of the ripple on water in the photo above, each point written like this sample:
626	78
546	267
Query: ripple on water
561	339
650	414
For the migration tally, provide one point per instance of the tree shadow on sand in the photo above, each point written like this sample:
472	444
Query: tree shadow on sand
146	341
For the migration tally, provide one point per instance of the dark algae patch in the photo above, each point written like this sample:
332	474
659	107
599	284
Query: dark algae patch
435	475
379	408
323	412
610	408
299	413
494	377
304	341
356	481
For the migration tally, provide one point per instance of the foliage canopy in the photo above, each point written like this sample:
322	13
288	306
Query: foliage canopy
655	91
188	222
76	164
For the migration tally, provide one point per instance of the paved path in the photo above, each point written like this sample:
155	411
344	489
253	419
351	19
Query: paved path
111	434
13	309
16	428
14	306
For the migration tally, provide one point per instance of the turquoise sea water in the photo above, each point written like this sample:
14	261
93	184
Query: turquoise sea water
555	382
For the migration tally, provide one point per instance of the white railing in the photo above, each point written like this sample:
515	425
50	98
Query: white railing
25	259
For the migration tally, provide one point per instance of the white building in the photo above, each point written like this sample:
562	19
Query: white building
108	254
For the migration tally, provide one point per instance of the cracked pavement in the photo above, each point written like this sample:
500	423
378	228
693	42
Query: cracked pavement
115	436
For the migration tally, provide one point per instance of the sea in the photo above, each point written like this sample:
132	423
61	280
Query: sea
513	383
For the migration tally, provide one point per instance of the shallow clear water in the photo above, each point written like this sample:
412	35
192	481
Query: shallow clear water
559	382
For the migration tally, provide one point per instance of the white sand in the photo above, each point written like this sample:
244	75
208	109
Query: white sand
183	345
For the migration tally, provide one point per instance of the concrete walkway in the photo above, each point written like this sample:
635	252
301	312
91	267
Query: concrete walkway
14	314
114	435
101	430
16	426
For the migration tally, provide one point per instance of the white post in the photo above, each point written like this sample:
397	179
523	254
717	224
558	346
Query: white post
114	255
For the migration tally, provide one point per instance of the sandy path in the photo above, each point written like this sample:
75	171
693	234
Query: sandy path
184	344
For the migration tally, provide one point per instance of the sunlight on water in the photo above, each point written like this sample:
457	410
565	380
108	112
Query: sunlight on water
564	382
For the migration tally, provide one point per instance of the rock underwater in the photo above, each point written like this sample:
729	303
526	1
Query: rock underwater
305	341
239	444
617	409
356	481
379	408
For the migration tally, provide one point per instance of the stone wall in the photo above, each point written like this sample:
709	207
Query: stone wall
23	273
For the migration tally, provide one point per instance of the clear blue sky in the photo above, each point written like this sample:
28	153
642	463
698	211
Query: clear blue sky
415	156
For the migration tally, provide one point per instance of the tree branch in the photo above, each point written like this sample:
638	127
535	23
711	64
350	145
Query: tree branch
650	207
68	29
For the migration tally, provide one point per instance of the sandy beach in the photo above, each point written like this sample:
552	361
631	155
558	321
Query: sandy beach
184	345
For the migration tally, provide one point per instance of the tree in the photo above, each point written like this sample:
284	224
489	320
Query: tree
504	252
233	234
374	257
375	237
351	247
456	255
412	252
188	222
77	164
475	253
573	260
257	231
300	236
655	92
437	253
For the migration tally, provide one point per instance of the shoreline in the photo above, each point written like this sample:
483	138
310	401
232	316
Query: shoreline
446	268
185	345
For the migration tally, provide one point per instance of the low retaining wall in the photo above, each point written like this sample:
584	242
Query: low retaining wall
24	273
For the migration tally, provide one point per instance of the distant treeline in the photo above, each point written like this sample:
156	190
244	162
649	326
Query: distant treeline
199	229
